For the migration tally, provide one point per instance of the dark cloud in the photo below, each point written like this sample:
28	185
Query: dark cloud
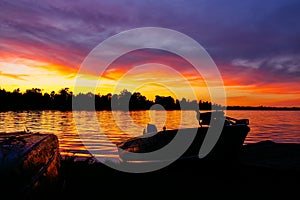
286	67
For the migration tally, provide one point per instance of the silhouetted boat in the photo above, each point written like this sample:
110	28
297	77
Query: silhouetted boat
29	162
227	147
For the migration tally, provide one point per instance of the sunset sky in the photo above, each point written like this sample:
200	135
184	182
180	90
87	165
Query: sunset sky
255	45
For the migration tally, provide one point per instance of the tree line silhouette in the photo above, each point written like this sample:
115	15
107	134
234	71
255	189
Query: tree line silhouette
34	99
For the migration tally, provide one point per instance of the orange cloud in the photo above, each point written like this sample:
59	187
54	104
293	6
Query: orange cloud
15	76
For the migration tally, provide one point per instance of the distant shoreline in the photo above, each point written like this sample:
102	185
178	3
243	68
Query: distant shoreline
228	108
262	108
65	100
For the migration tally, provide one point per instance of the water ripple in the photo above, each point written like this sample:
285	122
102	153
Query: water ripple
100	134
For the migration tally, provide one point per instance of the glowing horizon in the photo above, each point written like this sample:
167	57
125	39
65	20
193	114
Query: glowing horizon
34	74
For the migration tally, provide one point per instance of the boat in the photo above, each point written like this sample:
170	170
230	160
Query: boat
226	148
29	163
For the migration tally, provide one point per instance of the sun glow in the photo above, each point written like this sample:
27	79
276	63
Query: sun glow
31	74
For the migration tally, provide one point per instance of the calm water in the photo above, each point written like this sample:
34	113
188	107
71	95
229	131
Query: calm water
100	130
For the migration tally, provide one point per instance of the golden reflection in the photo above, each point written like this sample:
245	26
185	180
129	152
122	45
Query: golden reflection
122	125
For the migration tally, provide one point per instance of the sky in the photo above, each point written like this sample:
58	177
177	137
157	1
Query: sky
254	44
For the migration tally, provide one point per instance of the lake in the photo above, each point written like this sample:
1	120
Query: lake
99	130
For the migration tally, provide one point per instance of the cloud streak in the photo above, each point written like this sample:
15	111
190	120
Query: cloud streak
286	67
14	76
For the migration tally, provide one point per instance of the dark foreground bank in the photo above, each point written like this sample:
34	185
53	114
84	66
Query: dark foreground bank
265	168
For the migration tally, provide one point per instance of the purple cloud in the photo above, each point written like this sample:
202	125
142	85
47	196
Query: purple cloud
256	33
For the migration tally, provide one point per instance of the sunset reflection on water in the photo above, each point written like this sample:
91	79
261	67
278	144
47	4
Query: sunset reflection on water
279	126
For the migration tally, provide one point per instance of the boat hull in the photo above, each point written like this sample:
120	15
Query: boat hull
29	162
227	147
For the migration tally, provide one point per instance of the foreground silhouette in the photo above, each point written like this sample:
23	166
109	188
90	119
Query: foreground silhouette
194	178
